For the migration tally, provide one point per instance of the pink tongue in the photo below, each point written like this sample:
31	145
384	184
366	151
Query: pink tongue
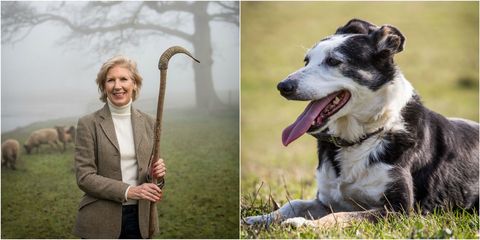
304	121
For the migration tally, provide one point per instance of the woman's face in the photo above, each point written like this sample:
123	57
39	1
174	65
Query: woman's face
119	85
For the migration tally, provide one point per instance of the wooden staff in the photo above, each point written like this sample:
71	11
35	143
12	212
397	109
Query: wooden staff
162	66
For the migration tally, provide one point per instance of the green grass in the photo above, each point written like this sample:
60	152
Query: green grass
40	199
457	224
440	60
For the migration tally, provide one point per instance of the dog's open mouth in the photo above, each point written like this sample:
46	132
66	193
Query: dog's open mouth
314	115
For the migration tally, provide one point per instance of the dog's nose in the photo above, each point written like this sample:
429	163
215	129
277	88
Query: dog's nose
287	87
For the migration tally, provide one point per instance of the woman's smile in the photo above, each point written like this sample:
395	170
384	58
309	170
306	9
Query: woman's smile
119	86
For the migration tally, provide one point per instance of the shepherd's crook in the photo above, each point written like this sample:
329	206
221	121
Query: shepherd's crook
162	66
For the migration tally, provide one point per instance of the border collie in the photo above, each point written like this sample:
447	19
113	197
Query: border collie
379	149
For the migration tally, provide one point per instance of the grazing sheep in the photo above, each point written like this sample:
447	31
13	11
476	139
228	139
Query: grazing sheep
42	136
65	135
70	134
62	136
10	153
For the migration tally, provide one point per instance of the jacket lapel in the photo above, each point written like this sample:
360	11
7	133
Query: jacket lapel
139	133
106	123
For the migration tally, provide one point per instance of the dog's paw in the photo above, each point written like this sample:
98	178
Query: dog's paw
298	222
262	219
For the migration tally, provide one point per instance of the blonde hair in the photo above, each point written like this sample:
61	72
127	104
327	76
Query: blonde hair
121	61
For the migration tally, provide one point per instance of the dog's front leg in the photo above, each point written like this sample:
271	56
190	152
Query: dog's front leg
341	219
296	209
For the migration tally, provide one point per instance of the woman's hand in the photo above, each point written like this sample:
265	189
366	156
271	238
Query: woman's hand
158	169
147	191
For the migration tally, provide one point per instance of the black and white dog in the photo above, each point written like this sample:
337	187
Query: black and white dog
380	150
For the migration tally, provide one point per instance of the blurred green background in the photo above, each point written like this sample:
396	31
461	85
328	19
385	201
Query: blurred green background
440	60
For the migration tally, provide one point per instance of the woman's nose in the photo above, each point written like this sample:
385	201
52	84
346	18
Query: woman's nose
116	85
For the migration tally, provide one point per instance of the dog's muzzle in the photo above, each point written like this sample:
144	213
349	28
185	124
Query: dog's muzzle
287	88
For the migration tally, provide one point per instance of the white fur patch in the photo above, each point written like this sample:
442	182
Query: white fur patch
360	185
365	74
316	81
367	110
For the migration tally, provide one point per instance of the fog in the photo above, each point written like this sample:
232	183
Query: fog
42	78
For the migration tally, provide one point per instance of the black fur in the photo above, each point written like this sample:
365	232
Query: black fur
330	151
423	158
371	50
357	26
443	163
435	162
361	55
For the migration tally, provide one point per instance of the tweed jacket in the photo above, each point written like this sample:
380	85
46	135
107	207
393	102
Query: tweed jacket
99	175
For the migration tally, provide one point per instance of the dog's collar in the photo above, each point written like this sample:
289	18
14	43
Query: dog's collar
340	142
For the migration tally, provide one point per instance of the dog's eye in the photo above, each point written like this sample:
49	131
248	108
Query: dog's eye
332	62
306	60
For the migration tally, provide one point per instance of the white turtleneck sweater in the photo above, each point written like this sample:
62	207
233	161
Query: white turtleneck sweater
122	121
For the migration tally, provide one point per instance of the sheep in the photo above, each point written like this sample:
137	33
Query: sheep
10	153
70	134
65	135
62	136
42	136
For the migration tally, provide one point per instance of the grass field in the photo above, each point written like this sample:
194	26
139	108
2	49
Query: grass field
440	60
443	224
40	199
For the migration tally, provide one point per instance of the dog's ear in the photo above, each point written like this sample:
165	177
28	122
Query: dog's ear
355	26
389	40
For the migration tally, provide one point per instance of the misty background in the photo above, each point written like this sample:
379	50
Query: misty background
52	51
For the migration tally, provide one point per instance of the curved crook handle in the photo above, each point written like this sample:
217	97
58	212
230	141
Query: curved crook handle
163	61
163	65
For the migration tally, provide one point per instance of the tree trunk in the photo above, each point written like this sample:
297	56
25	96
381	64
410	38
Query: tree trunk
206	96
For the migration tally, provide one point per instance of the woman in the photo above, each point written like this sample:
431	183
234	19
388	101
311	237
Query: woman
112	155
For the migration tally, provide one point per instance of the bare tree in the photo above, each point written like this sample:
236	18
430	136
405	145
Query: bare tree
114	24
